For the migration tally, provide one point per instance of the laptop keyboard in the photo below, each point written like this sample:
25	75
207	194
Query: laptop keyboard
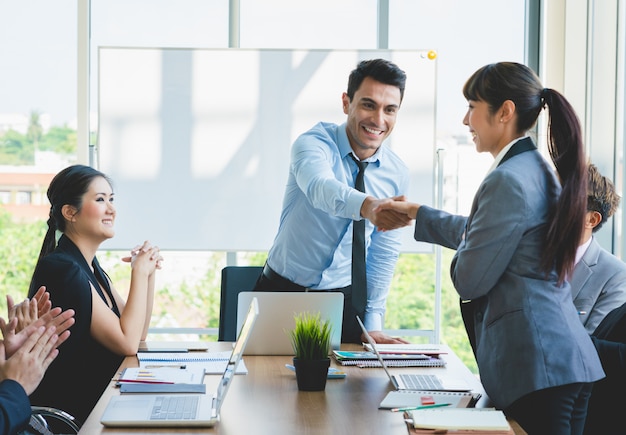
175	408
421	382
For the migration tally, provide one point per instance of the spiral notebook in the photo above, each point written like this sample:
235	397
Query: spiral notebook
416	381
369	359
408	399
213	363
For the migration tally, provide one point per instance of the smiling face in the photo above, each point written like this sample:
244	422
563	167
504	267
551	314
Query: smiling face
371	115
487	129
96	217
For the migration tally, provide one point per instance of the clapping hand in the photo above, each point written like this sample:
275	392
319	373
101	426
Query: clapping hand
28	311
13	339
147	251
28	363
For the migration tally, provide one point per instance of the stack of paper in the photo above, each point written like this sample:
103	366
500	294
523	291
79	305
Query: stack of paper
162	375
406	349
368	359
162	379
414	398
460	420
214	363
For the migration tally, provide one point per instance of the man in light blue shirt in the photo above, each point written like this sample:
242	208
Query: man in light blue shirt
313	247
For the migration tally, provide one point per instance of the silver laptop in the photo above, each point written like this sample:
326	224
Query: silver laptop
414	381
181	410
276	318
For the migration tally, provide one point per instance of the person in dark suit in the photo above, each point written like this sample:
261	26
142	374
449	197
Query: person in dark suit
515	250
598	282
606	405
24	358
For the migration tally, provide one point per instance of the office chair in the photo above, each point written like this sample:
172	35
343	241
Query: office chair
44	417
235	279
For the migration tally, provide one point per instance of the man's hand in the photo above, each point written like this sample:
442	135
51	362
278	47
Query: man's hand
384	218
380	337
29	363
13	340
406	209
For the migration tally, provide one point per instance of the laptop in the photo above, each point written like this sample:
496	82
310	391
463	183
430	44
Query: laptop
276	318
414	381
180	410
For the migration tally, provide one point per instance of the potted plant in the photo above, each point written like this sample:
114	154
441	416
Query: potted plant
310	340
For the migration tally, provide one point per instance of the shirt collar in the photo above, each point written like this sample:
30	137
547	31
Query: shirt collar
502	153
580	251
345	149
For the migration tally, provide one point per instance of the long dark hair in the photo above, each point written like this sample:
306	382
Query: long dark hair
499	82
66	188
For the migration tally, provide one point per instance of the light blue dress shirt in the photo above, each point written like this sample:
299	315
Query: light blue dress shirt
313	246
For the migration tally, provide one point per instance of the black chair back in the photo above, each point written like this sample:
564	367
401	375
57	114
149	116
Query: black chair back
235	279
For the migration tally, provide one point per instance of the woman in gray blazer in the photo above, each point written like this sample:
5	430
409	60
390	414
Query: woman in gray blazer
515	250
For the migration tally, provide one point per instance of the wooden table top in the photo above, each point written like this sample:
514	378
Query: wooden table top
267	400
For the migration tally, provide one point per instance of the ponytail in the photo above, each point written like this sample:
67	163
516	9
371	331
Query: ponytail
49	240
565	146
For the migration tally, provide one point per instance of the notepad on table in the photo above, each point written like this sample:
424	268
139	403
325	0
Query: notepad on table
162	375
406	349
162	379
460	419
413	398
214	363
369	359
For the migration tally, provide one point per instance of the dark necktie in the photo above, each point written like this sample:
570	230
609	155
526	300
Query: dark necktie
359	279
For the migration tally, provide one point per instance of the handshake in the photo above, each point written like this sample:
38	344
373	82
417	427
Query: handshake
389	213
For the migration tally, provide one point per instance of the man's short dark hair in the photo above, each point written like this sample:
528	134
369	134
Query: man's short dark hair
601	195
380	70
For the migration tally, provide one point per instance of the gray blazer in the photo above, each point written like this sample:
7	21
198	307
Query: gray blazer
523	327
598	285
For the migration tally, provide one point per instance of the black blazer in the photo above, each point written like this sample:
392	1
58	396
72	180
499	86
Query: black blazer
83	369
606	406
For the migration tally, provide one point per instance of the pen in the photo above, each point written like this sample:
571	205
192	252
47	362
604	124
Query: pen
138	381
582	313
171	366
412	408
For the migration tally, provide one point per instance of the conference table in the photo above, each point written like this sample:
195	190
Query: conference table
266	400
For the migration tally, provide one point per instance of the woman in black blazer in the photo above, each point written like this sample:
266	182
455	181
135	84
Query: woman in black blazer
107	326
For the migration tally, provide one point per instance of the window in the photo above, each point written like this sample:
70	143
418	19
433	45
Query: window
22	198
38	87
353	24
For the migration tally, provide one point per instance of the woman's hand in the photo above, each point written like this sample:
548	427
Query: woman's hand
407	209
145	255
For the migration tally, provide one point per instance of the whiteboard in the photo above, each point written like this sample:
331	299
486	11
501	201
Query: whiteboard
197	141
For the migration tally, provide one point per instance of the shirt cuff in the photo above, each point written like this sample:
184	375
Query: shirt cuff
373	322
354	203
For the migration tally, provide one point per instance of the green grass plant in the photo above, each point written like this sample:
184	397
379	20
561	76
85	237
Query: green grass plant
310	338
